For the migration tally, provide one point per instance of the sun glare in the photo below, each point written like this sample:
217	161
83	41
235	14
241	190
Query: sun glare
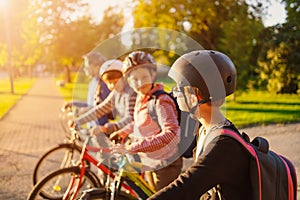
3	3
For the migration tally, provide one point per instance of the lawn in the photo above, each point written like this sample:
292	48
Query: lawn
258	107
7	100
77	90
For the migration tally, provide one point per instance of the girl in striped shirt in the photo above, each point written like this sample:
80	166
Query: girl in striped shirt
157	139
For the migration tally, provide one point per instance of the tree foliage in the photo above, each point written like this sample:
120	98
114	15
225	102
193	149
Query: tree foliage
11	18
54	33
279	56
229	26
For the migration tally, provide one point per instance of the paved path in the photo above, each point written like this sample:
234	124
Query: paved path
32	127
28	130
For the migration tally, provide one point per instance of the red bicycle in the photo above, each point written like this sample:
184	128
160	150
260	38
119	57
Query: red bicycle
125	182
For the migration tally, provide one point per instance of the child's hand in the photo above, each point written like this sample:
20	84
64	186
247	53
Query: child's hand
98	130
110	127
118	137
66	106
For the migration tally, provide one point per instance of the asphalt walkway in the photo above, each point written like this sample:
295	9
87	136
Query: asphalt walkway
29	129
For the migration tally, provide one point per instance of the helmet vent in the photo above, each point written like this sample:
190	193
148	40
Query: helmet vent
229	79
197	53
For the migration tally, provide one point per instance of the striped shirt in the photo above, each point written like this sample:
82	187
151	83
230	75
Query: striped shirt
158	141
120	103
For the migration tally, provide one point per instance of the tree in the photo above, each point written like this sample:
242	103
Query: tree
279	56
54	33
57	22
9	36
67	31
110	43
228	26
274	70
31	49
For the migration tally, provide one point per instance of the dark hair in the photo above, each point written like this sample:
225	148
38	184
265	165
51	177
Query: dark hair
110	75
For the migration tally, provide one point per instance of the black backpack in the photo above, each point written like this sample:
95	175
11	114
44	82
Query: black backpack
188	125
272	175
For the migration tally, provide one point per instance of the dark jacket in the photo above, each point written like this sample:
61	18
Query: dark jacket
223	162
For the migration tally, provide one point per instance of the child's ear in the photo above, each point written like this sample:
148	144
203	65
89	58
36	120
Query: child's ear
194	100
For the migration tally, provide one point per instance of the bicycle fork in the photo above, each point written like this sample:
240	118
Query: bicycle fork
70	194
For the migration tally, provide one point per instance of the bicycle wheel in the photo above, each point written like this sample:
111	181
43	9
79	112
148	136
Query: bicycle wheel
102	194
61	156
55	184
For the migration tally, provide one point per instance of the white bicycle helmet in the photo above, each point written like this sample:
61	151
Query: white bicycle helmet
111	65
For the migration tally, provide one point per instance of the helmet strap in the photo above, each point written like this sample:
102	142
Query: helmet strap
193	109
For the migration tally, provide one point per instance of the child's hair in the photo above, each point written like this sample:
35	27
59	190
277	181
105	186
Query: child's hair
111	75
111	69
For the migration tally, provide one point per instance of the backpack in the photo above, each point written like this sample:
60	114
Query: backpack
188	125
272	175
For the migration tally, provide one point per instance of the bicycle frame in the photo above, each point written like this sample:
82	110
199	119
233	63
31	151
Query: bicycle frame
126	173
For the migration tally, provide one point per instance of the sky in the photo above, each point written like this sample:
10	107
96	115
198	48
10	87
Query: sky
276	13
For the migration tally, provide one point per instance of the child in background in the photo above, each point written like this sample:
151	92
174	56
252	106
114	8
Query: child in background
97	89
120	101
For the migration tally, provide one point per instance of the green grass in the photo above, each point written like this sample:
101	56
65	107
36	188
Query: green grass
7	100
258	107
76	90
261	108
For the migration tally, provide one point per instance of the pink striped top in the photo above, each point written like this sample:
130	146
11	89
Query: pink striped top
158	143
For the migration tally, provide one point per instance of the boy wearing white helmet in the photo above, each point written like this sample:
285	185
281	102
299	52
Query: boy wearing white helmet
221	168
120	101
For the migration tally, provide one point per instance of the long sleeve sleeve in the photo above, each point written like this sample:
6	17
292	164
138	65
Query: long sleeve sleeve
129	110
167	135
98	111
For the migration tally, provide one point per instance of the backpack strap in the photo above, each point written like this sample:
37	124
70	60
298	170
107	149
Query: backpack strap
152	102
292	177
250	149
244	141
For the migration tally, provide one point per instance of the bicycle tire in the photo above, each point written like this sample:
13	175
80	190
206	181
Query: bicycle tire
56	158
54	185
102	194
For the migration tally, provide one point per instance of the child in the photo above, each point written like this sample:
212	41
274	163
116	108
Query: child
221	168
157	139
120	101
97	89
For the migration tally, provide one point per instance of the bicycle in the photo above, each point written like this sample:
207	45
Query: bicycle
128	183
64	154
129	173
61	156
66	114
